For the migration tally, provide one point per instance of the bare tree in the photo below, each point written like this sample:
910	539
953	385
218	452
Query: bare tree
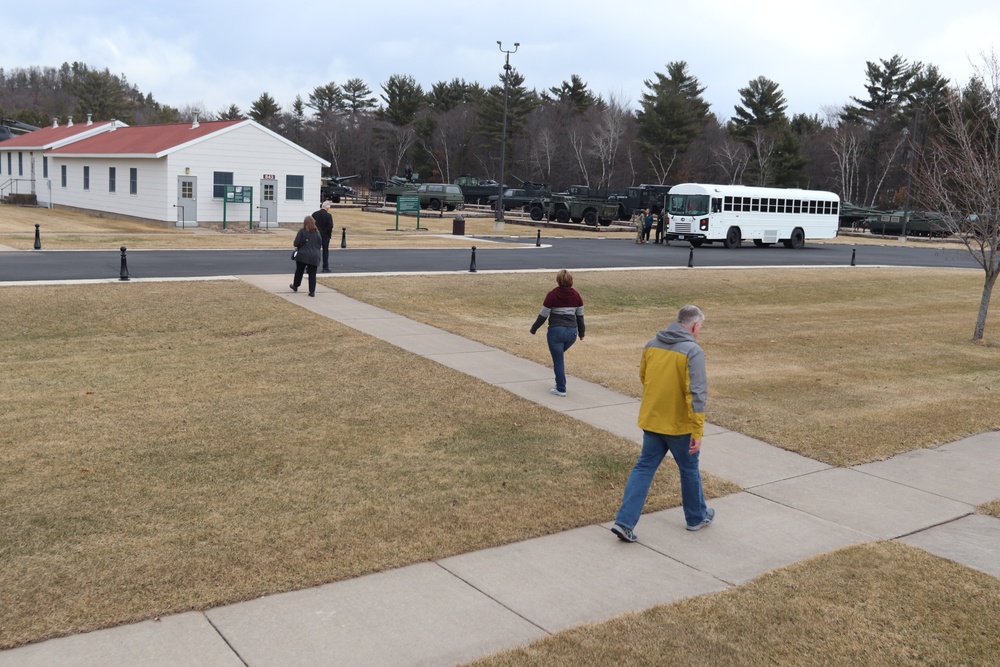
662	163
762	143
960	178
576	142
607	136
731	157
846	145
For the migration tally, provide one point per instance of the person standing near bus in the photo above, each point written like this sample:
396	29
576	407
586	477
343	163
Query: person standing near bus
672	419
563	307
647	225
640	226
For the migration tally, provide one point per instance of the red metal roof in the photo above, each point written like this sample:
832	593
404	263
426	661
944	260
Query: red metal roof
143	139
47	136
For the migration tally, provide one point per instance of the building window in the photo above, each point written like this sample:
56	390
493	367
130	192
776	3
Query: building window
45	166
187	189
63	169
111	179
220	179
20	164
10	162
133	181
86	178
269	192
294	187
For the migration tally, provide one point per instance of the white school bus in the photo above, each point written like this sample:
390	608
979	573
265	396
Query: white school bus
701	214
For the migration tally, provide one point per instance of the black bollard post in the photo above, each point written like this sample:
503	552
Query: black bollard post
853	253
343	237
538	239
124	272
691	258
38	239
472	265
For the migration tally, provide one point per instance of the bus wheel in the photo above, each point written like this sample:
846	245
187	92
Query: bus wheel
734	238
797	241
760	244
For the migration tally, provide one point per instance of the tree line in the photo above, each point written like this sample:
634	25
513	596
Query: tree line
561	135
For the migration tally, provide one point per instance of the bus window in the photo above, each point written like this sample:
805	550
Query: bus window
781	206
729	203
797	206
812	206
717	205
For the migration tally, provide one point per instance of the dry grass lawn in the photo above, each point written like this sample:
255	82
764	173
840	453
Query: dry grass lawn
62	230
993	508
171	446
876	604
842	365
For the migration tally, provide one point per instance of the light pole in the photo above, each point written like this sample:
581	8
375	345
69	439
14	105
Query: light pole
498	222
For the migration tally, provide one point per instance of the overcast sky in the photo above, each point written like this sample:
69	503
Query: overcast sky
214	53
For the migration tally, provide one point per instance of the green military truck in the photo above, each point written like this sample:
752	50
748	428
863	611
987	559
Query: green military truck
579	203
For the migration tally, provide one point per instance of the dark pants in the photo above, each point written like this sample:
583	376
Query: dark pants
326	252
645	232
301	268
659	231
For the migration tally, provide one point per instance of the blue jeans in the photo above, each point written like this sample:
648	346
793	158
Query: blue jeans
560	339
654	447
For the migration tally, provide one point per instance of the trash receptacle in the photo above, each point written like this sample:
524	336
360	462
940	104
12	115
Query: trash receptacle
458	225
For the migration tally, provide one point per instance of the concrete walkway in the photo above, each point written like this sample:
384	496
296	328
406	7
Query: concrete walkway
464	607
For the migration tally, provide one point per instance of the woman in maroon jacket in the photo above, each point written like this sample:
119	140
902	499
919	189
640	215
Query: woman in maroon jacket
563	307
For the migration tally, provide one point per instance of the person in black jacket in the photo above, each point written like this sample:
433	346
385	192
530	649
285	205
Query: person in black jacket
309	246
324	223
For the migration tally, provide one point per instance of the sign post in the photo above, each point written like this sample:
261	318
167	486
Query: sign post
407	205
237	194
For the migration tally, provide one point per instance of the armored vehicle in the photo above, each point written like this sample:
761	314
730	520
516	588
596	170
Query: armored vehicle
478	191
397	185
335	187
921	223
579	203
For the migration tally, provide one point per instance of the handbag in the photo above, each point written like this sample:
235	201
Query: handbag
295	253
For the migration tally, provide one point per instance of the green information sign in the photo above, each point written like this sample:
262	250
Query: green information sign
237	194
407	205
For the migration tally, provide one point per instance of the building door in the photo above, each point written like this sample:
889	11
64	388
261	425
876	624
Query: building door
187	204
268	203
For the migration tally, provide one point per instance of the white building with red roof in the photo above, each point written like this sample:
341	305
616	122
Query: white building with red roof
182	173
23	164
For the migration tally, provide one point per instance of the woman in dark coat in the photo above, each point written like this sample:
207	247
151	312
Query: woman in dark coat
309	248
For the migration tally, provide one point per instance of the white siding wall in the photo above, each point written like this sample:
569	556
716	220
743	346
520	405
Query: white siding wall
153	201
249	153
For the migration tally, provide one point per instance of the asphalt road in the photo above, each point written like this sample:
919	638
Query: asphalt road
554	254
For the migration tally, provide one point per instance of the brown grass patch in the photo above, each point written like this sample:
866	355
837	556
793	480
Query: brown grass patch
993	508
62	230
170	446
842	365
872	604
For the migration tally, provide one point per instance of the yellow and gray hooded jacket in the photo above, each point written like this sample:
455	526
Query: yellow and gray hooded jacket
674	384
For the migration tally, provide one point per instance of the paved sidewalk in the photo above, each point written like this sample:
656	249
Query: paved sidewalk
461	608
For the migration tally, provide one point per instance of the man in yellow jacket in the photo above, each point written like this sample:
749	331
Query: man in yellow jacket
672	418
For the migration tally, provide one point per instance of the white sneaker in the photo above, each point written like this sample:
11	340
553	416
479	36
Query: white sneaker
557	392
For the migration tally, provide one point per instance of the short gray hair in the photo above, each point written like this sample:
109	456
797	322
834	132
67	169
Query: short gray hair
689	315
